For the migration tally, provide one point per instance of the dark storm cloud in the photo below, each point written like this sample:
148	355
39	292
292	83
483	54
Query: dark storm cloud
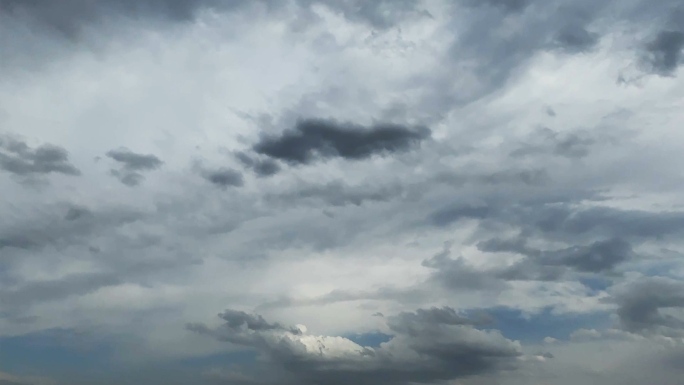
20	159
428	345
311	139
132	165
663	55
641	302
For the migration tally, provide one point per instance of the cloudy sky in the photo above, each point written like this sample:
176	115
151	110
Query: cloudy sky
314	192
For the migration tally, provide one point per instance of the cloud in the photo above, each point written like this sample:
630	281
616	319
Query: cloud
447	216
641	305
380	14
336	194
573	145
224	177
16	157
575	39
61	225
72	16
132	165
313	139
261	167
597	257
663	54
77	284
554	216
427	345
9	379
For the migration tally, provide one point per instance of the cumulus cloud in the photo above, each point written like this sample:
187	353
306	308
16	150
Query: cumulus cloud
427	345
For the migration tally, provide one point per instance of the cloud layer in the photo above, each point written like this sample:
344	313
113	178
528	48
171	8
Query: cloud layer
379	192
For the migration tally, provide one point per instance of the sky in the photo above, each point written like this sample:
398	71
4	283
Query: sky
333	192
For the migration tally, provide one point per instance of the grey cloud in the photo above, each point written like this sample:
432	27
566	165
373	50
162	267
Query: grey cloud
132	165
71	18
379	14
60	226
224	177
447	216
135	162
607	221
6	382
428	345
19	159
663	55
508	245
75	213
558	219
406	323
507	5
575	39
530	177
311	139
235	319
553	25
261	167
336	193
77	284
549	25
410	295
455	274
640	304
570	145
599	256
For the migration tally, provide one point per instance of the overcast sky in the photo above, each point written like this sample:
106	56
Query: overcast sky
334	192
